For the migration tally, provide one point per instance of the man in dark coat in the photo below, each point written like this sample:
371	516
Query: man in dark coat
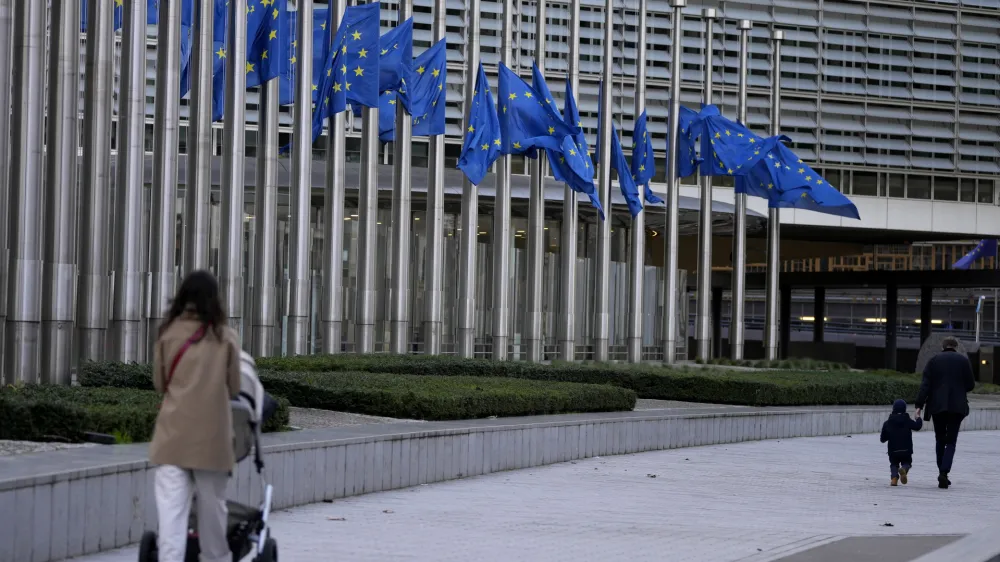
947	379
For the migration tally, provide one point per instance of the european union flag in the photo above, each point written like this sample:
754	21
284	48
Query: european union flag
643	158
395	56
387	116
619	164
687	157
482	138
727	147
218	42
351	72
526	121
153	11
218	80
985	249
267	41
787	182
571	114
426	92
321	48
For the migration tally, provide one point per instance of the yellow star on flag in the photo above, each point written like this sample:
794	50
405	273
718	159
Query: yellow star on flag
249	67
315	87
486	146
421	70
363	53
809	178
263	55
392	102
348	86
572	152
336	86
293	60
728	134
343	69
642	168
357	35
435	73
221	52
323	26
752	140
512	96
527	94
472	129
517	145
718	135
384	51
496	142
273	35
359	71
552	130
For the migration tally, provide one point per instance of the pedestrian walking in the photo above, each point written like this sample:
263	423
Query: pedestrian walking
897	433
948	379
196	366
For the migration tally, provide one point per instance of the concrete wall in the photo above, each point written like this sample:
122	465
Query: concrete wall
72	502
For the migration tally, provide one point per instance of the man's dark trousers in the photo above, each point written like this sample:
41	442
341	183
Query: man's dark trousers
946	425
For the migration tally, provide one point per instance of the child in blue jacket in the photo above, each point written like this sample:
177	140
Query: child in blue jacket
897	431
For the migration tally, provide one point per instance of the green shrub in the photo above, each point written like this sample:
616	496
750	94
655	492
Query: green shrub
62	413
798	364
443	398
725	386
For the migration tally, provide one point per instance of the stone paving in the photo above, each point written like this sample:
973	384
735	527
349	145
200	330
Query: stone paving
749	502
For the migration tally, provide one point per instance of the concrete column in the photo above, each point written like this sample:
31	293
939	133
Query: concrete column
784	313
819	313
891	320
926	304
717	322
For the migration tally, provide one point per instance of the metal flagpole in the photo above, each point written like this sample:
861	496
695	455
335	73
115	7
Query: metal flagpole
703	320
367	223
501	216
772	306
25	265
59	276
670	289
301	188
567	256
399	306
266	215
434	256
198	191
5	61
126	311
534	339
602	297
166	118
736	321
470	206
333	219
94	258
638	235
233	164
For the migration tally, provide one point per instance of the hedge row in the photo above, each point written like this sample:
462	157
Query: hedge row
791	364
62	413
761	388
405	396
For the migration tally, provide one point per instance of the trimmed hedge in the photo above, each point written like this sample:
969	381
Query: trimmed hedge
63	413
405	396
803	364
721	386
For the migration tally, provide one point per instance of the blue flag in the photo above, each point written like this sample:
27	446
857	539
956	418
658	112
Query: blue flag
218	42
482	138
395	56
985	249
117	14
643	158
267	41
727	147
571	114
526	121
153	11
425	96
619	164
687	157
321	48
387	116
787	182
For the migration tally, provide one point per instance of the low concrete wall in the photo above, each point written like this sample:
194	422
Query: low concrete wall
80	501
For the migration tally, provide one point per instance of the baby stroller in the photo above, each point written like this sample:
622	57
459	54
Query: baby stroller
248	531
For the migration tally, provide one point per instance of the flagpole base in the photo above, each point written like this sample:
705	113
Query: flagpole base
466	343
601	350
535	350
399	333
333	334
567	350
501	346
635	350
432	338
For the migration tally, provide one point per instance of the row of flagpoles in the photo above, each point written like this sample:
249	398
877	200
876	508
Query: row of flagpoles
324	61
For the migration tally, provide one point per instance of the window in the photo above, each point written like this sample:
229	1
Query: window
966	190
918	187
897	185
945	189
865	183
984	192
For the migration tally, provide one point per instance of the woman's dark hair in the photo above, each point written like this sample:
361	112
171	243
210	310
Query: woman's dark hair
199	293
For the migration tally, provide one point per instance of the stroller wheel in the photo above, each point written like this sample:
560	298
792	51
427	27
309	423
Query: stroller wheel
270	552
147	547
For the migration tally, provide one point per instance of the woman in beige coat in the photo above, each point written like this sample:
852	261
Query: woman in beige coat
196	366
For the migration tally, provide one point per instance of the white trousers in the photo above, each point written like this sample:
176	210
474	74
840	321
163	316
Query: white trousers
174	489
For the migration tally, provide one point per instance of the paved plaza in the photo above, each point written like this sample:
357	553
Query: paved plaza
798	500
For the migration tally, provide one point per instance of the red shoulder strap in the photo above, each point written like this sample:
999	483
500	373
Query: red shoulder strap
177	358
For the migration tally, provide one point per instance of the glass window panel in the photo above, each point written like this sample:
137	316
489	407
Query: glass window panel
864	183
945	189
984	193
967	190
918	187
897	185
